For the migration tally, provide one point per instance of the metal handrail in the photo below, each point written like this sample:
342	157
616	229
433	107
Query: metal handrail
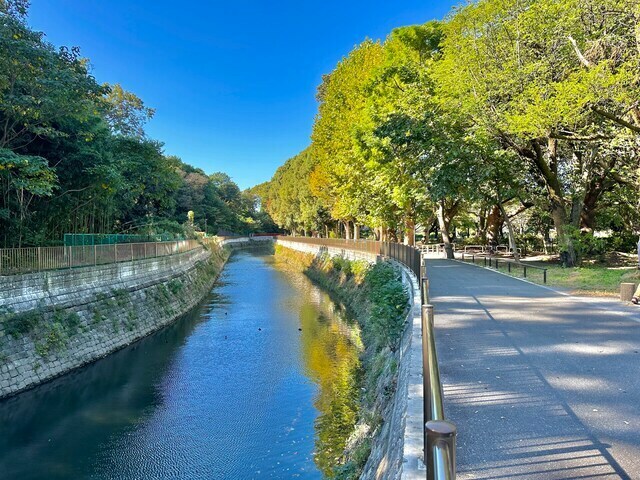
439	435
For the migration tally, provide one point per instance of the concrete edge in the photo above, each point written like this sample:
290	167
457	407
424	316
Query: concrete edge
413	466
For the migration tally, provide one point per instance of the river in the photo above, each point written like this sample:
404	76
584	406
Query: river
257	382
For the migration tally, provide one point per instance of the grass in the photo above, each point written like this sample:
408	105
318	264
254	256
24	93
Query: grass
594	279
588	280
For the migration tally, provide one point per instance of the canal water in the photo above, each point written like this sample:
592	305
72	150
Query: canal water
258	382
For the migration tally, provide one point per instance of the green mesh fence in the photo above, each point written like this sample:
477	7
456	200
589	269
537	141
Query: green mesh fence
80	239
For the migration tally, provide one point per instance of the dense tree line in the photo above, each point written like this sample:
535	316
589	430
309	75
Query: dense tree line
523	114
74	157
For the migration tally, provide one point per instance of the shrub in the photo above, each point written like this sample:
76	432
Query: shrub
19	324
55	339
389	302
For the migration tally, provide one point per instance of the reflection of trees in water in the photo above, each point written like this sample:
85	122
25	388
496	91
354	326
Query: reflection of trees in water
331	359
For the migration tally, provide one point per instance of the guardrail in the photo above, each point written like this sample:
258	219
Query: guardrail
509	265
14	261
439	435
434	247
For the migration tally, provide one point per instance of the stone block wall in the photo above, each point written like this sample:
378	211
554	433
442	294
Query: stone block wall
55	321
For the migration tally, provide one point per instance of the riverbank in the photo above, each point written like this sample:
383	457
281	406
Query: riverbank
375	297
54	322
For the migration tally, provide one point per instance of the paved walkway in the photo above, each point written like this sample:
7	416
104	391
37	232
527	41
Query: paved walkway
541	385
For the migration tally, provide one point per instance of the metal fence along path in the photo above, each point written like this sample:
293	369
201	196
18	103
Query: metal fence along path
15	261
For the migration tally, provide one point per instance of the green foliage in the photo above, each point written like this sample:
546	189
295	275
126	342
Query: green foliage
175	286
507	112
74	156
389	299
121	296
19	324
55	339
341	264
68	320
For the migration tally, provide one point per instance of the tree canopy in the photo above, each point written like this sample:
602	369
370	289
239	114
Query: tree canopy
522	113
74	156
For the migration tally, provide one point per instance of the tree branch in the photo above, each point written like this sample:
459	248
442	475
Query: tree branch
581	57
616	119
581	138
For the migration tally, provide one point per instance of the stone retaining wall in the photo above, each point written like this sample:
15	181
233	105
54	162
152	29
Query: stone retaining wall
55	321
397	450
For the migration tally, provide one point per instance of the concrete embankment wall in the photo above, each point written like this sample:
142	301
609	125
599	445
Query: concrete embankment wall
55	321
397	450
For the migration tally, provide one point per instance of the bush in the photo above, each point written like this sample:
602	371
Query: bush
342	265
389	302
19	324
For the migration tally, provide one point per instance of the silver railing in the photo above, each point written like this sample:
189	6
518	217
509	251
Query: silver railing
439	434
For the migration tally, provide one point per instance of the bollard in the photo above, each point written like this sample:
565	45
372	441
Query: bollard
441	450
626	291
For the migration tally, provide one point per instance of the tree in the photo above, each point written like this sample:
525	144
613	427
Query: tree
125	112
520	70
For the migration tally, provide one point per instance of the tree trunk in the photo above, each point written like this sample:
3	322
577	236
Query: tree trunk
444	222
356	231
512	238
347	230
481	232
410	232
494	225
556	199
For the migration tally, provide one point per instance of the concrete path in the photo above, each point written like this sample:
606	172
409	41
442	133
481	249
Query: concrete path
541	385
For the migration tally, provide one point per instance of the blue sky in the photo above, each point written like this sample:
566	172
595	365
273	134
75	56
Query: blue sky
233	83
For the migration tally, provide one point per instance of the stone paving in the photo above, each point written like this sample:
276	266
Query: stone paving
540	384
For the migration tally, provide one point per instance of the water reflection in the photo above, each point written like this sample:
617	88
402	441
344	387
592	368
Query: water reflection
233	390
330	346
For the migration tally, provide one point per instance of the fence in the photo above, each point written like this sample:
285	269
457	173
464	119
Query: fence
435	247
439	435
15	261
78	239
405	254
510	266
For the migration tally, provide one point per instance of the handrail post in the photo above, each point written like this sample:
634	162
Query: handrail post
440	435
425	290
426	387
